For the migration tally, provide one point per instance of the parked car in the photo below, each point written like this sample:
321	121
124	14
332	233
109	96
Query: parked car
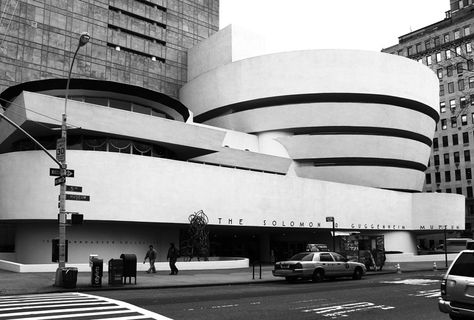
317	266
457	287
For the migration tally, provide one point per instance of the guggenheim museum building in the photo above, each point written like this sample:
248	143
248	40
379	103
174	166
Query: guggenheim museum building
272	148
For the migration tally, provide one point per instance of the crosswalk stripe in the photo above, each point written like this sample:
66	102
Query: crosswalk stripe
70	306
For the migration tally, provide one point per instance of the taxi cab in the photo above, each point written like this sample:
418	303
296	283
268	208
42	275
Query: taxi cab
317	266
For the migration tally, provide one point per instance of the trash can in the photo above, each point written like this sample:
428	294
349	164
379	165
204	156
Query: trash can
97	267
129	267
69	275
115	271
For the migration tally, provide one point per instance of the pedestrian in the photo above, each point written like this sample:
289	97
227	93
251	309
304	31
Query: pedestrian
151	254
172	257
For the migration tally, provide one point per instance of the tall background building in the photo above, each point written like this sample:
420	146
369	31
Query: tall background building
446	47
138	42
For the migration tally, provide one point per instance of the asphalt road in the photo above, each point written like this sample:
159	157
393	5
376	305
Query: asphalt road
390	296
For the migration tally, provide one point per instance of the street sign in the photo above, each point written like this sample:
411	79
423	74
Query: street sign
61	149
59	180
329	219
56	172
74	188
77	197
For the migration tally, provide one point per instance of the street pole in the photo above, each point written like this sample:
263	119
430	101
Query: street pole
445	248
83	40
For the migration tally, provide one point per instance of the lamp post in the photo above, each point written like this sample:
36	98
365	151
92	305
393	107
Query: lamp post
83	40
331	219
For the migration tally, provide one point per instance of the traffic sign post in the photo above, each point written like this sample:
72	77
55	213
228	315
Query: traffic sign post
55	172
61	149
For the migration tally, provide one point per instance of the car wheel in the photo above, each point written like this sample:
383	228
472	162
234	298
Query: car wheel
318	276
357	275
291	279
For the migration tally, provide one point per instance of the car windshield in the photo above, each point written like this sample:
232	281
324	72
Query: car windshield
304	256
464	265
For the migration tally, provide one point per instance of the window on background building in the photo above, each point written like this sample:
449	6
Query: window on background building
464	120
458	50
468	47
469	192
400	52
467	155
437	177
461	86
446	37
470	65
448	190
456	157
420	60
445	141
428	178
449	70
444	124
450	87
435	143
436	160
468	173
447	176
459	190
462	102
467	30
471	82
471	98
455	139
418	48
457	174
427	44
457	34
454	122
438	57
440	73
446	158
441	90
442	107
459	68
410	50
447	53
465	137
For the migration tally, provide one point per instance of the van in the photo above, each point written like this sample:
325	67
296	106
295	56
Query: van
455	245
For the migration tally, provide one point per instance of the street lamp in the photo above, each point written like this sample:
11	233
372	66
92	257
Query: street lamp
331	219
61	156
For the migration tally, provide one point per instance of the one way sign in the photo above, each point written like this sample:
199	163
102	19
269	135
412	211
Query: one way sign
56	172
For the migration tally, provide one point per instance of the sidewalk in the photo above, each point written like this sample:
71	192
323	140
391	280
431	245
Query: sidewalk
12	283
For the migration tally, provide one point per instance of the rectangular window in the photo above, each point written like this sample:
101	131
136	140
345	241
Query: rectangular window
445	141
446	158
459	68
428	178
468	173
458	50
437	177
440	73
418	48
469	192
450	87
468	47
454	122
441	90
444	124
455	139
427	44
461	85
462	102
447	53
446	37
457	174
428	60
438	57
456	157
471	82
442	107
467	155
435	143
447	176
437	42
465	137
459	190
436	160
470	65
410	50
467	30
464	120
449	70
457	34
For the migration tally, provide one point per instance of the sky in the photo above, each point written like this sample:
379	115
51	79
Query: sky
331	24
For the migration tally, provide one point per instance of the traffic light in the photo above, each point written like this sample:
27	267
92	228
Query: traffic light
77	218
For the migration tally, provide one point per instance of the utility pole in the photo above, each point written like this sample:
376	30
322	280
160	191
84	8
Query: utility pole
61	156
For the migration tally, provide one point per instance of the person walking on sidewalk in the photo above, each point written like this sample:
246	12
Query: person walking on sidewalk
151	254
173	256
